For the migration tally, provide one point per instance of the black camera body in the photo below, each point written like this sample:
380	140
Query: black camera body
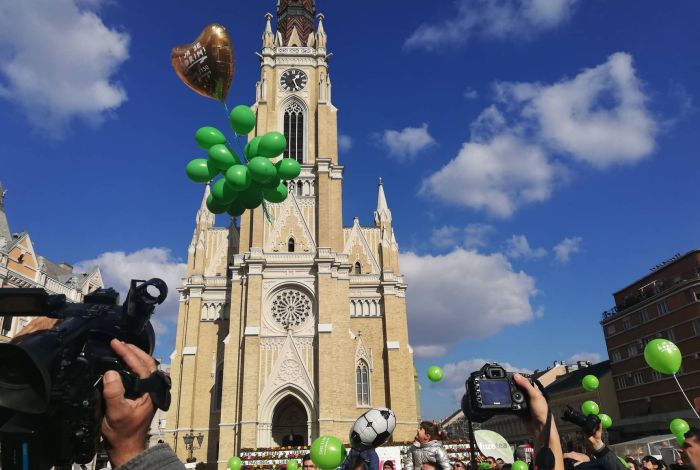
588	423
490	391
51	405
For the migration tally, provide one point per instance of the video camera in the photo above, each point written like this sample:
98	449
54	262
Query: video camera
490	391
51	404
588	423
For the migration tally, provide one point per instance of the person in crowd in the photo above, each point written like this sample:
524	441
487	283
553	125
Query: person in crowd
431	450
650	463
690	449
602	454
388	465
429	466
499	463
507	466
368	457
307	463
632	464
491	461
459	465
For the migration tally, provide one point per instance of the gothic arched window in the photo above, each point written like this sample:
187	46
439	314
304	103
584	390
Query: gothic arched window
290	245
362	373
219	388
358	268
294	132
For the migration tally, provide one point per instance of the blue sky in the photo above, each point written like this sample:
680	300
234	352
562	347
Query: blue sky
537	155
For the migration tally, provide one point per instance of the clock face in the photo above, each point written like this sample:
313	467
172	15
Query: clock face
293	80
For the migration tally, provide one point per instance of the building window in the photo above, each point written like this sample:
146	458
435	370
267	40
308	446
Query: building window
696	326
5	325
294	131
632	350
362	383
616	356
611	330
643	315
662	307
656	375
638	378
219	389
669	335
621	382
358	268
626	324
290	245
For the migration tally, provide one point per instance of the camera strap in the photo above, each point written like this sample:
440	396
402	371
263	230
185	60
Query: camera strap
544	460
157	385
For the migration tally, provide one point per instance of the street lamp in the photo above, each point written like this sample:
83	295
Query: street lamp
189	439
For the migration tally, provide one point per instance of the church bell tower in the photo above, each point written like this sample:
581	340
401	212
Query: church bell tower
291	325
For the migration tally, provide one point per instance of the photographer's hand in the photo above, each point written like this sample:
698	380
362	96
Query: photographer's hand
126	422
578	457
596	440
539	409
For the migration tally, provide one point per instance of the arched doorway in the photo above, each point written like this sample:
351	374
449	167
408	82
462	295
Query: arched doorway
289	423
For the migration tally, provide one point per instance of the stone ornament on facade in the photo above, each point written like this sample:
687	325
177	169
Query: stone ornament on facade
291	308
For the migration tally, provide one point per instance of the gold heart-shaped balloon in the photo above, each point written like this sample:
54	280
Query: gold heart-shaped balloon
206	65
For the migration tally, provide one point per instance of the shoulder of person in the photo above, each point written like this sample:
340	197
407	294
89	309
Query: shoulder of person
160	456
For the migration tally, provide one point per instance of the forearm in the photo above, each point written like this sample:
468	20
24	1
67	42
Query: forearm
555	445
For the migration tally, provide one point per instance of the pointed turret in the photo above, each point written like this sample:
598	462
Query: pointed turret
295	15
321	38
382	215
5	235
205	219
268	35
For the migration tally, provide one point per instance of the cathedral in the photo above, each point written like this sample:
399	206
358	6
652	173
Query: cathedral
290	325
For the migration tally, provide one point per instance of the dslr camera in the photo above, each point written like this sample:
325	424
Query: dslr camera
51	403
491	391
588	424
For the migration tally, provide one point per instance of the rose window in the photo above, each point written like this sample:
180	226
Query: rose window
291	308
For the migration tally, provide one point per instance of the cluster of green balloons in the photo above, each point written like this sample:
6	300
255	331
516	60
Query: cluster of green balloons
435	373
678	428
328	452
243	186
591	383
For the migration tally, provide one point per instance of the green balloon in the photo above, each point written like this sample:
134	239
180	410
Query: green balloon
288	168
251	197
679	426
605	420
222	158
435	373
292	465
238	177
278	194
207	137
251	148
236	208
235	463
214	206
242	119
200	170
590	408
272	144
273	183
328	452
590	383
663	356
520	465
223	192
262	170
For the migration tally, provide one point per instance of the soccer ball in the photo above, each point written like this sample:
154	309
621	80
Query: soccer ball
372	429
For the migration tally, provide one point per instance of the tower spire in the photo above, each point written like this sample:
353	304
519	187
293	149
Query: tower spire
295	14
205	219
382	214
4	226
268	35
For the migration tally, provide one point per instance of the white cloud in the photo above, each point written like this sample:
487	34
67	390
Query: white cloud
598	117
407	143
344	143
456	373
503	19
57	60
429	351
471	94
479	295
518	247
566	248
594	358
119	268
471	236
496	176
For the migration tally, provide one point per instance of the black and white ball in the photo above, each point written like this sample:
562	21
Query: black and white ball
372	429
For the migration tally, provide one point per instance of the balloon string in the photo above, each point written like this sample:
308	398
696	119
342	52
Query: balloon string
267	214
686	396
